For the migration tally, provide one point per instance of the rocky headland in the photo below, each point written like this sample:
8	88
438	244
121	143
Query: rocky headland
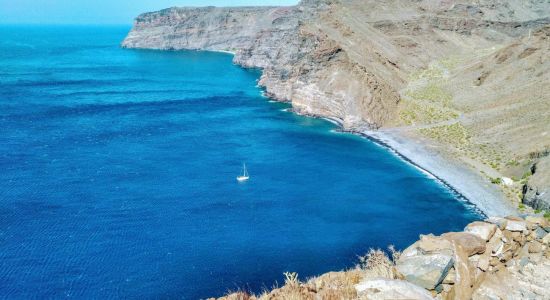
460	88
467	81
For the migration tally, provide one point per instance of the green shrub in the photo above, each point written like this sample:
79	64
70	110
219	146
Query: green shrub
496	180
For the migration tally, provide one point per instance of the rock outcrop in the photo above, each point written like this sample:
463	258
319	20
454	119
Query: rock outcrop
427	262
382	289
499	258
536	192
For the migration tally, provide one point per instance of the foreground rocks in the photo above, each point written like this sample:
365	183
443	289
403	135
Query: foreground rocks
499	258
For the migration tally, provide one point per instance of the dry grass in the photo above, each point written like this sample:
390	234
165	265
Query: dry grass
433	93
377	264
291	279
426	101
333	285
454	134
418	112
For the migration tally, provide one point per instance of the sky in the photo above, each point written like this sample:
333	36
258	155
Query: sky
101	11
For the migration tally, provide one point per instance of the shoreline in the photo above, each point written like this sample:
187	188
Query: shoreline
453	174
450	171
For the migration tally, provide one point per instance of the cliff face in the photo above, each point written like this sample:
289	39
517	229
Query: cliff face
207	28
301	62
471	75
342	59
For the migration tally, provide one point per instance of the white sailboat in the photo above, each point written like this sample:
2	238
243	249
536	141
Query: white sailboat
245	176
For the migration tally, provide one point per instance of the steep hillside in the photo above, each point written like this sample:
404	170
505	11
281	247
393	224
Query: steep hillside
472	76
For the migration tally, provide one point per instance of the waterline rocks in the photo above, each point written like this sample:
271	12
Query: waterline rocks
499	258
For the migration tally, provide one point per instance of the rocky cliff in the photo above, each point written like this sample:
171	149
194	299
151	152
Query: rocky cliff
472	76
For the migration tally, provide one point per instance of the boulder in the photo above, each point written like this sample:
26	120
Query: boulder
546	239
536	258
465	273
498	221
518	237
474	259
539	220
382	289
483	230
535	247
447	287
497	249
492	247
450	278
427	244
493	262
483	263
514	218
507	236
516	225
471	243
492	287
539	233
507	181
426	270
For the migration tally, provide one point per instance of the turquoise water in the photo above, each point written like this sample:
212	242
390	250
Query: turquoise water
117	176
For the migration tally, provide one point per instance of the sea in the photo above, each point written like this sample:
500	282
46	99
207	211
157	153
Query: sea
118	176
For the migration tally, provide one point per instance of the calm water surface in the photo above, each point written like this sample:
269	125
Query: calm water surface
117	176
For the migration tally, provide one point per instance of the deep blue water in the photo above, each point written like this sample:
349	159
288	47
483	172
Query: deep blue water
117	176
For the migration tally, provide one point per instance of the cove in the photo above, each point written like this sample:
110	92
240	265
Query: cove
118	176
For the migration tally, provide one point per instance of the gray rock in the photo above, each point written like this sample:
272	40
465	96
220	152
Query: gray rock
498	221
382	289
483	230
540	233
516	226
536	193
426	270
